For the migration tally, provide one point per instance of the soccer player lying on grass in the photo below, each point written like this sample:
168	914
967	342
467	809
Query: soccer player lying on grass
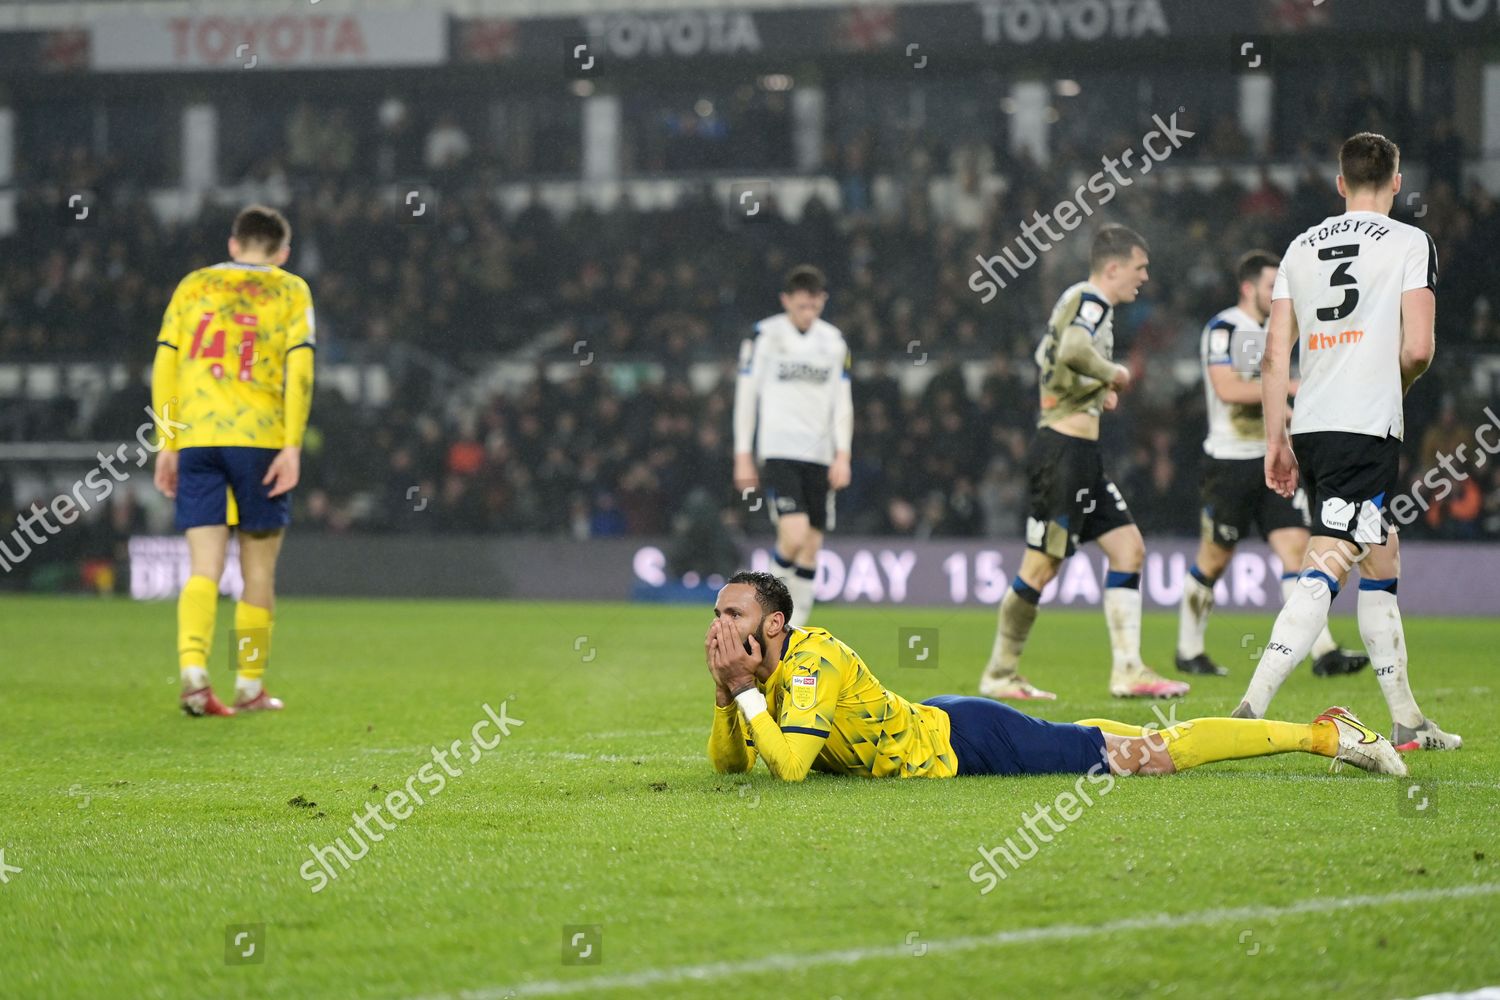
802	700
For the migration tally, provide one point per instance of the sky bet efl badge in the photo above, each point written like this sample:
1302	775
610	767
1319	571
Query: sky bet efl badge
804	691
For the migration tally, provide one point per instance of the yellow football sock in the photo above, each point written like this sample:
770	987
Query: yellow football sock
196	607
1112	727
1204	741
252	641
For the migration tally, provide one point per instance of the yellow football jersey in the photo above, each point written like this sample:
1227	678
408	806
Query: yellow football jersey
232	326
827	711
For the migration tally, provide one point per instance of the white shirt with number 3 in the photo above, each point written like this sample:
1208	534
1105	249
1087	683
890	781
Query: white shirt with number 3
1345	277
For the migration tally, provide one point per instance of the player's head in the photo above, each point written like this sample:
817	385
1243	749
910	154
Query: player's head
1255	275
804	295
261	235
1117	262
757	604
1370	166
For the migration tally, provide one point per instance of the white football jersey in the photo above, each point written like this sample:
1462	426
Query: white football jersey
798	379
1235	430
1345	277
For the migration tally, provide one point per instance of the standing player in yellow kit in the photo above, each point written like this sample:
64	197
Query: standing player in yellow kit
230	365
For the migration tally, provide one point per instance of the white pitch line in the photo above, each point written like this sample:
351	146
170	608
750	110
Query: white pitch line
633	734
1262	776
1058	932
604	758
642	734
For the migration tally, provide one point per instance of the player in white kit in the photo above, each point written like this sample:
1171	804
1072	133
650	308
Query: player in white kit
794	401
1235	496
1359	289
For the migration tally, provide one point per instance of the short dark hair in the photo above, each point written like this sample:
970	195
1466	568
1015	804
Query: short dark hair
260	225
805	278
1252	263
1368	160
1114	241
770	593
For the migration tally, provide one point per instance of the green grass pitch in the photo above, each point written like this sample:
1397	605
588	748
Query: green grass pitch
144	840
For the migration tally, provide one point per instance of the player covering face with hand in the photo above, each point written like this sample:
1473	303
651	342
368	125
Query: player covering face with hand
801	700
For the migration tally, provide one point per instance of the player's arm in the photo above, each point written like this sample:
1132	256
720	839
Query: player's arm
730	749
1276	366
1418	310
839	473
1222	377
1418	339
286	467
298	394
164	389
164	393
1075	348
746	403
790	746
1275	378
1229	387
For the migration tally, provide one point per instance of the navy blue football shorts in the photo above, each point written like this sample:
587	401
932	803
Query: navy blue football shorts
991	738
222	485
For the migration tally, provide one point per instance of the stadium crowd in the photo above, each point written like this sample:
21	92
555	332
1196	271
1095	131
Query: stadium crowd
598	455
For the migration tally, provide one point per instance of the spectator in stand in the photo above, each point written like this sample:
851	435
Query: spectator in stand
447	146
653	292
